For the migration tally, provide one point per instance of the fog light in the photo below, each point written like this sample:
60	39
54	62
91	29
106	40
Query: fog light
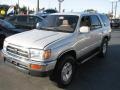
35	67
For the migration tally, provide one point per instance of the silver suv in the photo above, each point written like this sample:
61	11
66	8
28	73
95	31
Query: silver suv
61	41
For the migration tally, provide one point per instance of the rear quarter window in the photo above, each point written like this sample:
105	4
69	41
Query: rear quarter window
95	22
105	20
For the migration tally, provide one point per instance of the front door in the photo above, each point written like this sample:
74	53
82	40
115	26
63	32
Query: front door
83	39
95	31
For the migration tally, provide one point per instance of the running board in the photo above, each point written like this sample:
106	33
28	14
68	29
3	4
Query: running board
89	57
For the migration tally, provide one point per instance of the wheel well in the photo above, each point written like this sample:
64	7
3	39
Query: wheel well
54	73
71	53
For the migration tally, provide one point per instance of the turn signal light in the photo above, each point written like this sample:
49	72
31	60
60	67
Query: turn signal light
47	54
35	67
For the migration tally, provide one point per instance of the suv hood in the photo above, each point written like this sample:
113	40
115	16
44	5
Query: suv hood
36	38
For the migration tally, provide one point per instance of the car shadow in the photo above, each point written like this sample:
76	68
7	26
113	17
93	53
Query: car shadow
99	73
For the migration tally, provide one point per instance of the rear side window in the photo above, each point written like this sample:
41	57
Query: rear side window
95	22
22	18
105	20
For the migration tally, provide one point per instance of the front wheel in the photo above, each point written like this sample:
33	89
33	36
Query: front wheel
65	71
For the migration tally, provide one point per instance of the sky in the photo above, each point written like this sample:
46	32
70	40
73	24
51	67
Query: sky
103	6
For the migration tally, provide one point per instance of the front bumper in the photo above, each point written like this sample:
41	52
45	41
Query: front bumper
24	64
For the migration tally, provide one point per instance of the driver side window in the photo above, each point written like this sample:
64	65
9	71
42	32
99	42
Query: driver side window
85	21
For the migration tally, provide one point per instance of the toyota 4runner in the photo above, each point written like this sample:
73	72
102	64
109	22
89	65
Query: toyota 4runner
60	42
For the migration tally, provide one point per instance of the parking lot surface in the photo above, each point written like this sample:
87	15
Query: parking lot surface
96	74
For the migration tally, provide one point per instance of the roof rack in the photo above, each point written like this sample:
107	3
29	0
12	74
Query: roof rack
90	11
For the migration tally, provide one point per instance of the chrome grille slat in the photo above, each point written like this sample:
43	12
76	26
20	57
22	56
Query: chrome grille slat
17	51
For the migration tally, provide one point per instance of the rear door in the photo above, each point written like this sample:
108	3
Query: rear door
96	30
106	24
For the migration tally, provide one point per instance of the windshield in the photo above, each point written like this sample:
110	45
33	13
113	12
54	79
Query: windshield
7	24
115	20
60	23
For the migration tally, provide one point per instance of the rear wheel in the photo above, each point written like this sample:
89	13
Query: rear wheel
103	48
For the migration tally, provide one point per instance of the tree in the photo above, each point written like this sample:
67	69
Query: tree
23	9
16	7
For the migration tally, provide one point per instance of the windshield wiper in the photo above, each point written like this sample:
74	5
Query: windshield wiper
48	28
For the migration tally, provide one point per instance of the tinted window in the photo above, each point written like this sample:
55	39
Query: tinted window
95	22
22	18
32	19
60	23
12	18
105	20
6	24
50	11
85	21
115	21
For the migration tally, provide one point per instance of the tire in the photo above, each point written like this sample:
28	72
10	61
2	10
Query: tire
103	48
65	71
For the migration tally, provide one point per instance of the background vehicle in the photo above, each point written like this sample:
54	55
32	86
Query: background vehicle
25	21
115	23
1	17
7	29
46	12
64	40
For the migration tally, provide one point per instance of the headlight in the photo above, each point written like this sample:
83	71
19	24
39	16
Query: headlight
37	54
110	30
5	45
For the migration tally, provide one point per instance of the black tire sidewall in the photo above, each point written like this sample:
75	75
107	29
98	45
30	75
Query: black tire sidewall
102	54
61	64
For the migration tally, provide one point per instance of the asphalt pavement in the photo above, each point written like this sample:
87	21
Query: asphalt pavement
95	74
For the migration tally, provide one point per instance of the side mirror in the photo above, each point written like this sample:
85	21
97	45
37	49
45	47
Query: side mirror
84	29
38	25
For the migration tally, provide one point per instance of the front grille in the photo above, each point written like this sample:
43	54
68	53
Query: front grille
16	51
